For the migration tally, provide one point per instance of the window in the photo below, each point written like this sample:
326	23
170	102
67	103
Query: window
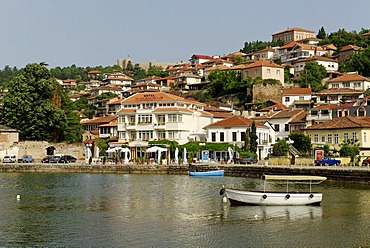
161	119
234	136
357	85
365	137
174	118
145	135
336	138
276	128
323	139
268	71
278	72
315	138
286	128
345	84
330	138
335	85
172	135
354	136
301	98
222	136
213	137
361	112
345	136
287	99
145	119
246	73
161	135
256	72
122	135
131	120
242	136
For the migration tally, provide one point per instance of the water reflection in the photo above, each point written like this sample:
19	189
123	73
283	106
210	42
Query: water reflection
263	213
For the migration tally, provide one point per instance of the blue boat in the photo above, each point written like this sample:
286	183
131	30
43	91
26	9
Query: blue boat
206	173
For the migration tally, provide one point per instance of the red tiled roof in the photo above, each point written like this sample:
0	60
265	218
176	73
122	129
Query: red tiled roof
235	121
294	29
264	63
278	106
286	114
336	91
348	77
300	118
315	58
325	106
199	56
343	122
296	91
126	110
104	119
153	97
350	47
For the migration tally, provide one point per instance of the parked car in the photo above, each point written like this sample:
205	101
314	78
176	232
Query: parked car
25	159
67	159
54	158
46	159
327	160
366	161
9	159
248	160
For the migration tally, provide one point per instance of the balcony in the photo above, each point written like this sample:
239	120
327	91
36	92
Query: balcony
159	126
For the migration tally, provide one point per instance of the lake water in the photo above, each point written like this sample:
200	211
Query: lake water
125	210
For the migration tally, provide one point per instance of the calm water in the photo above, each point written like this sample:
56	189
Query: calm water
95	210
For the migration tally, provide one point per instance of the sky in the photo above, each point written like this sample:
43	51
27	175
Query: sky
91	32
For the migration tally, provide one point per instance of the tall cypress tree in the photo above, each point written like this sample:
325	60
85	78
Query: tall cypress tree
253	138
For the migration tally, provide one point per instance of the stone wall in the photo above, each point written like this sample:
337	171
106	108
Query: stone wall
262	93
37	149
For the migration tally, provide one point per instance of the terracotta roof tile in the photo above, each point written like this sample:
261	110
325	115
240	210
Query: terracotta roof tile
325	106
294	29
278	106
286	114
127	110
296	91
315	58
349	77
350	47
104	119
336	91
235	121
342	123
263	63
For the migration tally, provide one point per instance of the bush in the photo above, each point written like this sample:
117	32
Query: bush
281	148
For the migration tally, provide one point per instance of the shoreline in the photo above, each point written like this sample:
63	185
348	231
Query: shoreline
353	174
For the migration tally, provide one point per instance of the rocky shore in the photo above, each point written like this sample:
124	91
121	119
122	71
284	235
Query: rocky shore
353	174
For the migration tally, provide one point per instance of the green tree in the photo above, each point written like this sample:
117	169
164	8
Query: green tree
350	148
158	71
255	46
281	148
326	149
32	105
301	142
321	34
7	74
312	74
106	95
360	62
247	142
253	138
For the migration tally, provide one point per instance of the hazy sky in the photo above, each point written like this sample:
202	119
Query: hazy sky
92	32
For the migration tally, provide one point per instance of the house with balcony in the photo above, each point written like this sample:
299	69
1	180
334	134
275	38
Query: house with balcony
330	65
293	34
294	51
199	59
296	96
93	124
94	74
320	113
264	54
337	95
189	82
150	116
338	130
118	79
351	80
233	130
109	130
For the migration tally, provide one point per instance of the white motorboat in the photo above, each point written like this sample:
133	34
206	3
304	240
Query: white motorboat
245	197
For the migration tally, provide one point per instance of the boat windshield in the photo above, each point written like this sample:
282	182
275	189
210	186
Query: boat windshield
309	179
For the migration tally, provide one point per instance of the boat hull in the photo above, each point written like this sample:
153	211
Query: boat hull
206	173
242	197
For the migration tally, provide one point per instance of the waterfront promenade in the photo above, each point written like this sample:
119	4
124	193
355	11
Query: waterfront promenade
354	174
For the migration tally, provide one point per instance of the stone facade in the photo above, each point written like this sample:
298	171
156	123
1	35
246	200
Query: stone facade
263	93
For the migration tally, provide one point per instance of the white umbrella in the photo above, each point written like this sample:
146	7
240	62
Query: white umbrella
159	156
155	149
231	152
88	153
177	155
97	152
127	154
111	150
185	161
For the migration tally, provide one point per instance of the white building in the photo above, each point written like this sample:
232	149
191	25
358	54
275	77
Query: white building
292	95
233	129
330	65
351	80
158	115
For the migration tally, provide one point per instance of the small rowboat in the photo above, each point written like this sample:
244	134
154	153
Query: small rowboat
206	173
245	197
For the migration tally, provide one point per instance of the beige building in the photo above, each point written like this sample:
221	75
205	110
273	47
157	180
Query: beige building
336	131
265	70
293	34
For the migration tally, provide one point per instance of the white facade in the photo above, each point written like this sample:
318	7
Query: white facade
330	66
158	115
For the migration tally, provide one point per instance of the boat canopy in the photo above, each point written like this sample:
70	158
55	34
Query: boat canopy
293	178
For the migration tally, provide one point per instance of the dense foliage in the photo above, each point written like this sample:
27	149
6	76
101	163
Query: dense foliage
349	148
281	148
255	46
301	142
37	106
7	74
312	76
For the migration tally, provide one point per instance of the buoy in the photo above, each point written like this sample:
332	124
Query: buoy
264	196
224	199
287	196
18	197
311	196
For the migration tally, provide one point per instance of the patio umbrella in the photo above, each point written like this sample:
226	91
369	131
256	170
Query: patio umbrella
97	152
231	152
127	154
177	155
185	161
